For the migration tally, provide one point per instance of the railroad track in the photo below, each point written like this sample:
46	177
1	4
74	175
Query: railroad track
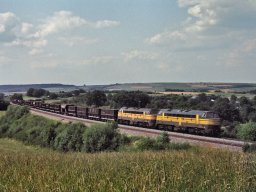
175	137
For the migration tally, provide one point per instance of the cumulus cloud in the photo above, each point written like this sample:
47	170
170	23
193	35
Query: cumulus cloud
14	32
7	21
139	55
98	60
62	20
65	20
106	23
208	20
71	41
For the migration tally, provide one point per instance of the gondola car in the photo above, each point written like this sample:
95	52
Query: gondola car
109	114
189	120
69	110
137	116
82	112
94	113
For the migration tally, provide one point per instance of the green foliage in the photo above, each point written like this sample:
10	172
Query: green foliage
97	98
247	131
53	96
100	137
226	110
130	99
162	142
3	105
37	92
70	138
249	148
16	96
145	143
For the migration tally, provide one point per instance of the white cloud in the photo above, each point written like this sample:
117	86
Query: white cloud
14	32
207	21
62	20
65	20
71	41
7	21
26	28
35	51
106	23
139	55
98	60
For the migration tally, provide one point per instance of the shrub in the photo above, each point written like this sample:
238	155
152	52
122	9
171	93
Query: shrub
70	137
145	143
249	148
179	146
247	131
100	137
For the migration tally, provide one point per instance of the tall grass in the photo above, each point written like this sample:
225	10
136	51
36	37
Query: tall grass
200	169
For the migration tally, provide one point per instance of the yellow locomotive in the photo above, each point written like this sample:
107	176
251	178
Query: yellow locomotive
144	117
188	120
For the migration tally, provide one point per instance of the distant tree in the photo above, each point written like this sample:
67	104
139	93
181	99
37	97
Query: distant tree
1	96
226	110
202	97
53	96
244	101
97	98
131	99
233	99
3	105
16	96
30	92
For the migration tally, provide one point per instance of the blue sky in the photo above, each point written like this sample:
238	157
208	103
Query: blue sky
113	41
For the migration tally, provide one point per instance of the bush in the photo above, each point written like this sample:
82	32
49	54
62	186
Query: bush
179	146
247	131
70	137
100	137
249	148
145	143
3	105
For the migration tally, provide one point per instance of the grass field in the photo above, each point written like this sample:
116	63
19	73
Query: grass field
25	168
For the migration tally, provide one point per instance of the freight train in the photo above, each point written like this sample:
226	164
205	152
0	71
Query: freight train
192	121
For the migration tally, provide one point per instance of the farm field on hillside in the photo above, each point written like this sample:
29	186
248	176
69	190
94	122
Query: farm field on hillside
26	168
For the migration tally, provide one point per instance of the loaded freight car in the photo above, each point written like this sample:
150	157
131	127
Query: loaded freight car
55	108
69	110
82	112
94	113
109	114
137	116
37	104
189	120
45	106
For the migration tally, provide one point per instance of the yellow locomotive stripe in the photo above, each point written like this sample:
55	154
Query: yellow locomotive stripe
181	120
137	116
